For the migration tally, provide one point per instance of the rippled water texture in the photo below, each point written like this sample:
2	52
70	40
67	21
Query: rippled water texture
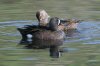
80	49
85	42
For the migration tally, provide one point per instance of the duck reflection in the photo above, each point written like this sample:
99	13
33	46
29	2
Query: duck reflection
53	45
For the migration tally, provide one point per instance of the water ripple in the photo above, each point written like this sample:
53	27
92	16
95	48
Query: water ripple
18	23
93	42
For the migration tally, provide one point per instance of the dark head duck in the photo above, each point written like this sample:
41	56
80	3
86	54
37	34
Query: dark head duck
53	31
51	37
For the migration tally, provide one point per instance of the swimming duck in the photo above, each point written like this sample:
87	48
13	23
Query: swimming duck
50	37
71	27
72	23
52	32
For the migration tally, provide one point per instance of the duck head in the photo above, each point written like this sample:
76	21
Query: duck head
55	24
42	17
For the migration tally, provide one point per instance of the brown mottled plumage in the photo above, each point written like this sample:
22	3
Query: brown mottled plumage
42	17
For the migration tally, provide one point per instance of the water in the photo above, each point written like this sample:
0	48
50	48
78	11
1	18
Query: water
82	49
87	43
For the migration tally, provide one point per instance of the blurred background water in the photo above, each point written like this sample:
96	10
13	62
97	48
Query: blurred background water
83	49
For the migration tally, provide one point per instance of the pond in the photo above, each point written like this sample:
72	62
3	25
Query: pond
82	49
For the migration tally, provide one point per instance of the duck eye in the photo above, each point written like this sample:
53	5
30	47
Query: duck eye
59	21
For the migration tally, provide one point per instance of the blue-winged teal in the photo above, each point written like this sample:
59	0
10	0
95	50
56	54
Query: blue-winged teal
51	36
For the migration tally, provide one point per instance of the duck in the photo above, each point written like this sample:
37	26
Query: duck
52	32
71	27
51	37
72	23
